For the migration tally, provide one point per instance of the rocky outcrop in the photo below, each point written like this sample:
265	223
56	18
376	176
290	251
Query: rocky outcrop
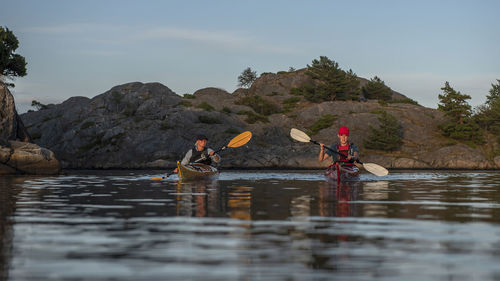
11	126
17	155
138	125
27	158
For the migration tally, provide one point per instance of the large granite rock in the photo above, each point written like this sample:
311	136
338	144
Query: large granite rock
11	125
27	158
17	155
138	125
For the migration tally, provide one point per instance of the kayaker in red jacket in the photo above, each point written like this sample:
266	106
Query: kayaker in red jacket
200	151
350	150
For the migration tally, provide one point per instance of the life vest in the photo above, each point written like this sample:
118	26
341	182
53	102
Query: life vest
199	154
345	151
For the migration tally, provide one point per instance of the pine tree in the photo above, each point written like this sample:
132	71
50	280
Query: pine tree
334	83
376	89
388	136
460	125
494	93
11	64
247	77
454	104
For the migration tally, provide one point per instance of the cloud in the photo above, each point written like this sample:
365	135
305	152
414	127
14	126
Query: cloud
72	28
224	39
237	41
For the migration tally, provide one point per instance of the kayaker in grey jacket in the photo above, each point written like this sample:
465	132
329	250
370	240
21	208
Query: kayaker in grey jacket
201	153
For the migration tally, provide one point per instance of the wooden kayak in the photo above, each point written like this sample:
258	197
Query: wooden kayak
196	171
338	173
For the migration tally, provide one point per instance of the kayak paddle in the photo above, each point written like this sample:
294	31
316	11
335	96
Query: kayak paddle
161	178
237	141
373	168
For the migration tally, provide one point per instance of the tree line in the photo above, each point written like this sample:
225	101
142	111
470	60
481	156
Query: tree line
331	83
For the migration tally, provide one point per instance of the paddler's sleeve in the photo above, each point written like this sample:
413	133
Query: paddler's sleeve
187	157
332	154
215	158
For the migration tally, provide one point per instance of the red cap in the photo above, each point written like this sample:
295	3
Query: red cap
344	131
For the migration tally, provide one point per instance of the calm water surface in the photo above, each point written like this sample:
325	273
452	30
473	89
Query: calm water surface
250	225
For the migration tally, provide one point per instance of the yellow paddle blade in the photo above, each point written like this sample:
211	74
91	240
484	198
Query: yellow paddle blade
240	139
157	178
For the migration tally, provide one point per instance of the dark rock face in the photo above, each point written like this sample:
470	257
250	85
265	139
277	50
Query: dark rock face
20	156
138	125
11	126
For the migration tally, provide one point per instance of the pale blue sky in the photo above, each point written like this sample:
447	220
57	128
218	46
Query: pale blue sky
83	48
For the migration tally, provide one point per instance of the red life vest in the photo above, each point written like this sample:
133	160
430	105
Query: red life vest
344	150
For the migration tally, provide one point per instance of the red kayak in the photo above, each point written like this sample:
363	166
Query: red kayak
339	173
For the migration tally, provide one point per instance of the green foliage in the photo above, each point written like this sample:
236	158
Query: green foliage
36	136
205	106
376	89
189	96
468	131
87	125
387	137
460	125
226	110
259	105
377	111
488	116
324	122
165	125
334	83
296	92
11	64
96	141
208	120
407	100
246	78
252	117
116	97
50	118
494	93
290	103
291	100
185	103
232	131
383	102
129	110
38	105
454	104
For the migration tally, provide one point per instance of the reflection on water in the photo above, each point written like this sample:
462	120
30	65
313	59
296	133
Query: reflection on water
114	225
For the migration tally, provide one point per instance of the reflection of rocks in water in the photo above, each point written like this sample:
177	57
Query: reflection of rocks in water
375	191
8	192
300	206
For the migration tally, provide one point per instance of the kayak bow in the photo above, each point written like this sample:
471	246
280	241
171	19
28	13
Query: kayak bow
196	171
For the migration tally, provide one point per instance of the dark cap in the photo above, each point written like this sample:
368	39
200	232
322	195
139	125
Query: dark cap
201	137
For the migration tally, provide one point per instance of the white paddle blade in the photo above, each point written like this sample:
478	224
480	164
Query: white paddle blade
376	169
298	135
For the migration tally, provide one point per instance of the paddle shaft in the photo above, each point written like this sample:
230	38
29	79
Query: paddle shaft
215	152
341	154
161	178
